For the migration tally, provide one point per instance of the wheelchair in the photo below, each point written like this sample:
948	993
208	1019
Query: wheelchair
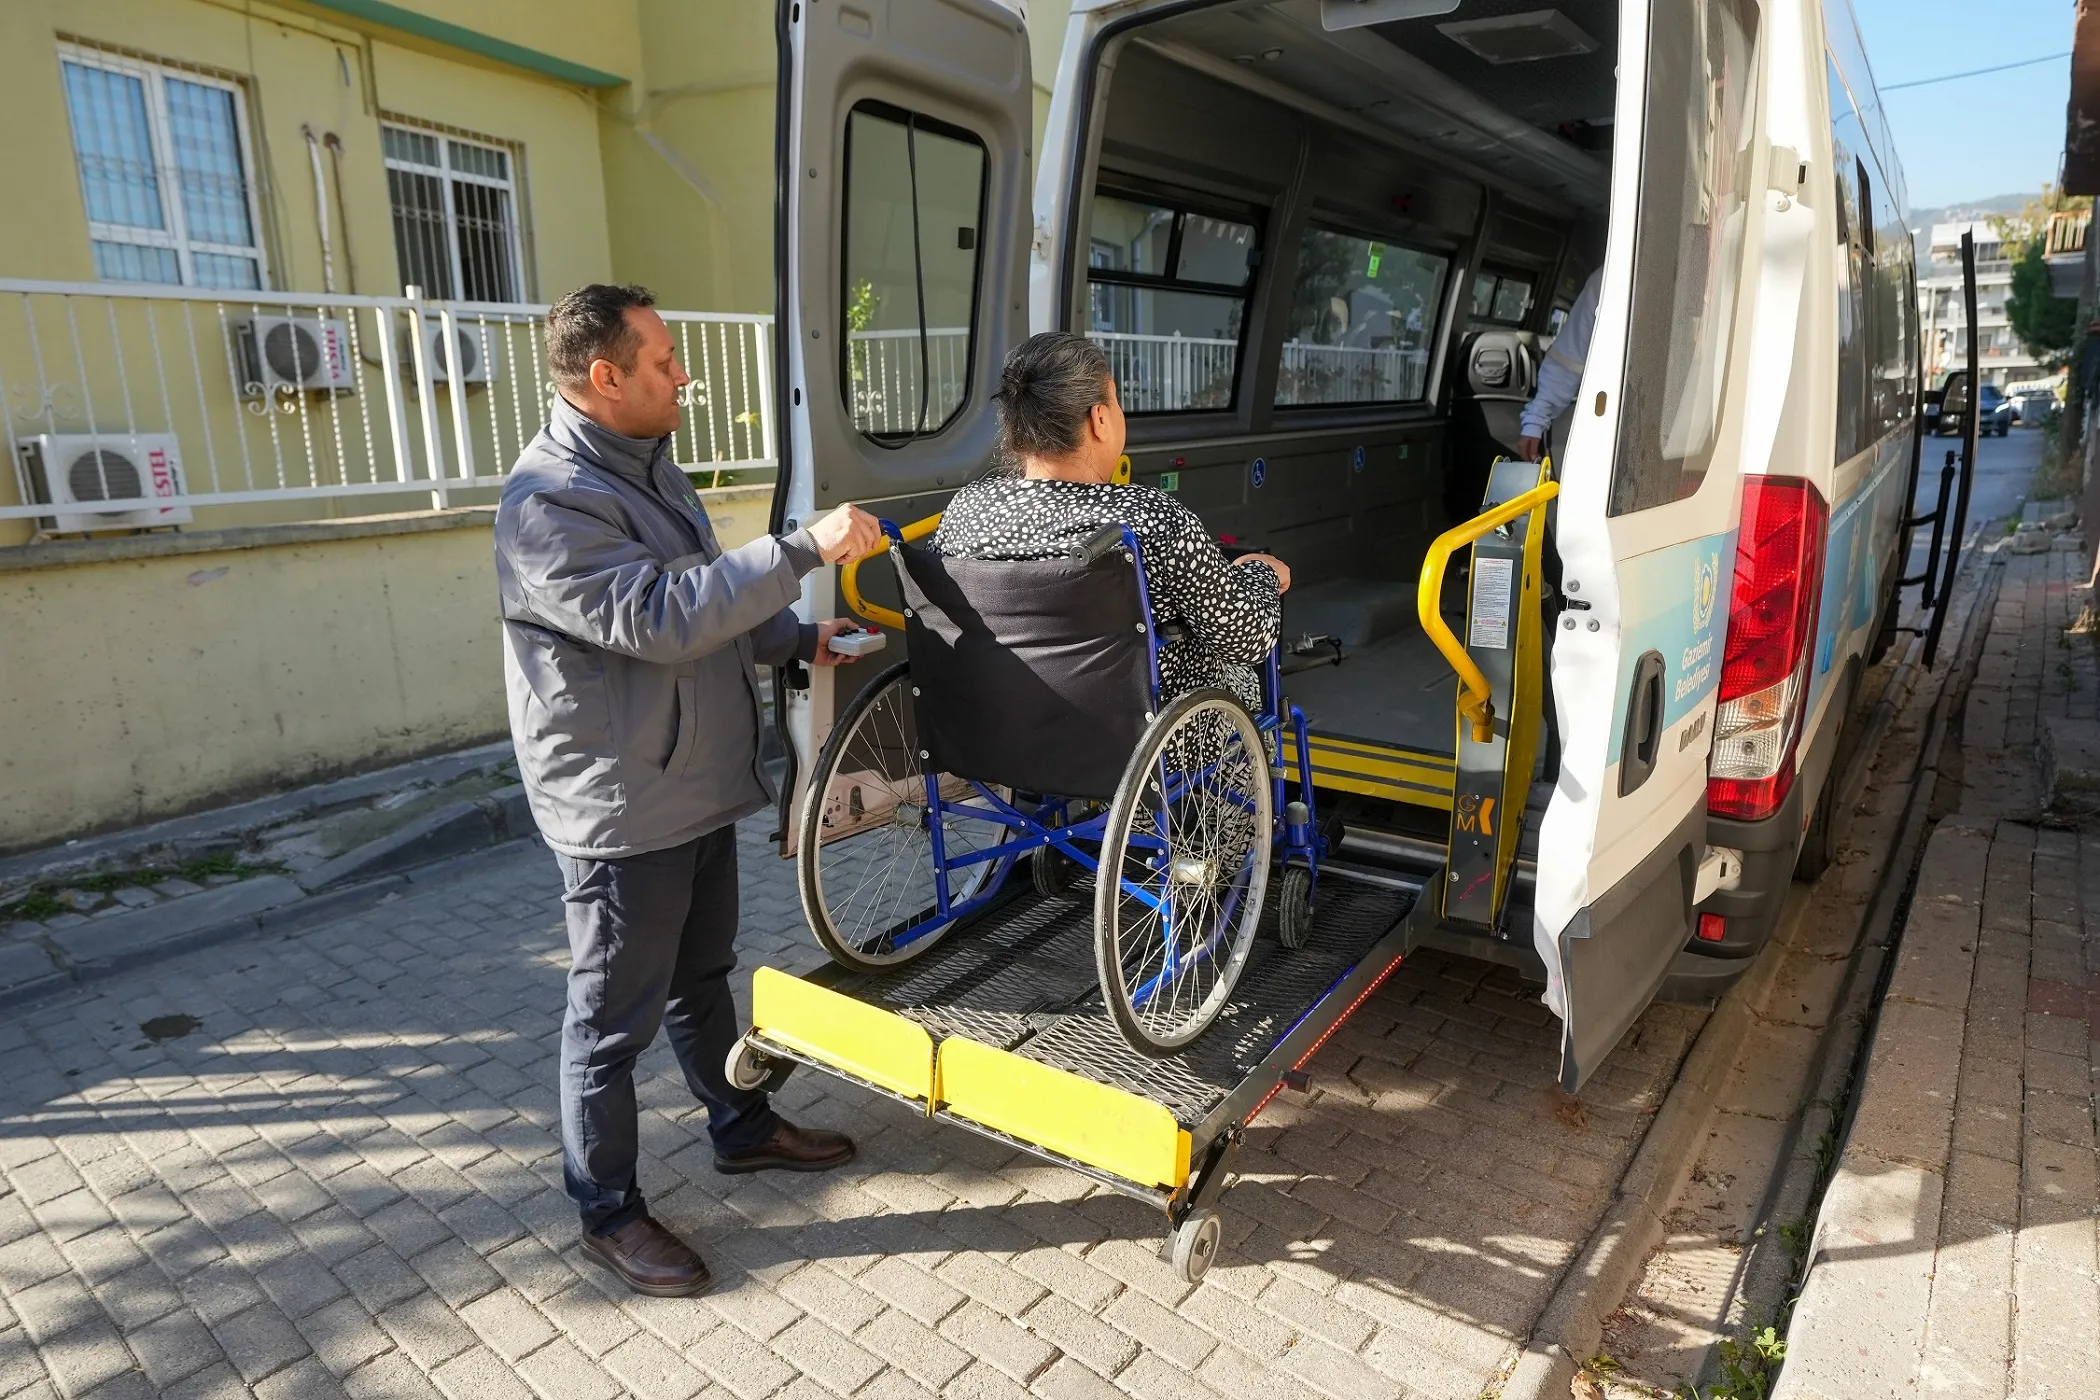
1026	725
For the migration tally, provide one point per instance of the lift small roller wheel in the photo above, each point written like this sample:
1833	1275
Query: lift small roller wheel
1196	1244
749	1068
1294	909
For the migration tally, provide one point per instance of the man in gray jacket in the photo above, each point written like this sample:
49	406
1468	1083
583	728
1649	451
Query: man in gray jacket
630	638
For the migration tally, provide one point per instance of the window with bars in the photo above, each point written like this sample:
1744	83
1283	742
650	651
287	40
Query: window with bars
164	172
455	216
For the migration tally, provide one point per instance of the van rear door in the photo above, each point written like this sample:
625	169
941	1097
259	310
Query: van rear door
1646	523
902	270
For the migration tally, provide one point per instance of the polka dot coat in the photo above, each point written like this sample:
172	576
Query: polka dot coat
1231	611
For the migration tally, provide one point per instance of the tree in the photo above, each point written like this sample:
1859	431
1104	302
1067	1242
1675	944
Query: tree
2046	324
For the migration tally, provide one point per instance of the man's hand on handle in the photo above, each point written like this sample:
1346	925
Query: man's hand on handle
1283	570
847	533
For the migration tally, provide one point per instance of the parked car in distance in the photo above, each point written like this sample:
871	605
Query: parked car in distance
1994	416
2030	408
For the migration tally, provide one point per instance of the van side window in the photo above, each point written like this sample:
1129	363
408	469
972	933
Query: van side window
1688	246
1501	297
914	203
1363	316
1855	267
1167	290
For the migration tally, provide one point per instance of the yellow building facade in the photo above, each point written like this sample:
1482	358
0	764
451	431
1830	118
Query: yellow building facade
486	151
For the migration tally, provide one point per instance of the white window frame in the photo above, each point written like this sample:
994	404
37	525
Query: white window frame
446	174
176	235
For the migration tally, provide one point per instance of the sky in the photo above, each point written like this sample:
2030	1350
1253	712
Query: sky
1975	137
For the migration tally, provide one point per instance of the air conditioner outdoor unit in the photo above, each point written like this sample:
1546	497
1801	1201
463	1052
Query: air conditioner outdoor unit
294	352
78	469
473	366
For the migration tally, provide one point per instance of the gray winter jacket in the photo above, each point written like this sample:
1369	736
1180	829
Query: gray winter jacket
630	640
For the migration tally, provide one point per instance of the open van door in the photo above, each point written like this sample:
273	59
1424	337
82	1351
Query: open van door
1646	524
902	274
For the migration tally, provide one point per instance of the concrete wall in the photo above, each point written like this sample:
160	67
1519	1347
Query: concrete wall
146	676
142	678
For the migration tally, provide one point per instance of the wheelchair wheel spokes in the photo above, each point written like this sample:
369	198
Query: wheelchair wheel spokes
865	855
1189	835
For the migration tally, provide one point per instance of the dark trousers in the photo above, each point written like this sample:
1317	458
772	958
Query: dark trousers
652	939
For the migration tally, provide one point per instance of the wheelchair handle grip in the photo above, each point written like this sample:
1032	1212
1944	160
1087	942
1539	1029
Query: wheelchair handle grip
1096	545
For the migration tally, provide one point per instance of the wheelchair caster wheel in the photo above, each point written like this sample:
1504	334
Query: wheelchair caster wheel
1051	870
1196	1244
749	1068
1294	909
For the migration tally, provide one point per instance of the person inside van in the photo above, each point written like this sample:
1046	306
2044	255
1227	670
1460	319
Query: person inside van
1560	372
1060	437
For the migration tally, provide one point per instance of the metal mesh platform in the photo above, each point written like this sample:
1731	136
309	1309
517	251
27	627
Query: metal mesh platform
1022	978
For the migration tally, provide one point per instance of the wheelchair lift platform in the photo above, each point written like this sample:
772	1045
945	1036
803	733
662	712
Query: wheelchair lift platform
1000	1030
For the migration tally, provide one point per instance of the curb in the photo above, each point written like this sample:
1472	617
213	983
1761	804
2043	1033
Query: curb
454	829
212	829
1611	1262
1768	1269
293	914
1618	1249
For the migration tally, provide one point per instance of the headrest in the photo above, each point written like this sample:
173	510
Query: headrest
1499	365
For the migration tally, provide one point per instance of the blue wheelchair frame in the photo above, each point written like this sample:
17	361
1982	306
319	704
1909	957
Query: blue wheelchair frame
1300	842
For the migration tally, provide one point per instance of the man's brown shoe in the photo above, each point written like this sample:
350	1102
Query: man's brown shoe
791	1149
650	1259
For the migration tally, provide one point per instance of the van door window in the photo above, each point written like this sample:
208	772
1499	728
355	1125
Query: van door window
1167	293
1363	315
914	204
1688	246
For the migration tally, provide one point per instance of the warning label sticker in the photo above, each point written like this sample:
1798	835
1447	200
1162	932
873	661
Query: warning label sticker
1492	580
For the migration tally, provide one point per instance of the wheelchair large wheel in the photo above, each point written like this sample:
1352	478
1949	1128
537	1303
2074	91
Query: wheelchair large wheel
1189	833
864	847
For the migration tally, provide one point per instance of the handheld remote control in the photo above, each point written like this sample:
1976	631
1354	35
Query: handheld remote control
858	642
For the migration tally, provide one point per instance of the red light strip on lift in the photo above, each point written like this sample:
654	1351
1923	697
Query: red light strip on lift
1326	1035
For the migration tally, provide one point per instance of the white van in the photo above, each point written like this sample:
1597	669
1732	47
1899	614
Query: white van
1327	244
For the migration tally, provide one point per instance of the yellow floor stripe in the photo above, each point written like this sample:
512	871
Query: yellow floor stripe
1388	771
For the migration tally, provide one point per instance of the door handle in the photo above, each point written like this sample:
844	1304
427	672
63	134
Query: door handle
1642	741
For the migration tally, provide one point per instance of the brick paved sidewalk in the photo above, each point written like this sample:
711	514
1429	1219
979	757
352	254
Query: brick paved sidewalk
1956	1252
325	1164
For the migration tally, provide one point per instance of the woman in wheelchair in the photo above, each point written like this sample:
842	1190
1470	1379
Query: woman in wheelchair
1061	435
1089	685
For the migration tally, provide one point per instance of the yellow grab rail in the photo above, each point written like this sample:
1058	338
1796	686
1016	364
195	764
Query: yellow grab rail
849	577
1474	700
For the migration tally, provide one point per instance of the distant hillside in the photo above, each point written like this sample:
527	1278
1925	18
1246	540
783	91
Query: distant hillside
1969	209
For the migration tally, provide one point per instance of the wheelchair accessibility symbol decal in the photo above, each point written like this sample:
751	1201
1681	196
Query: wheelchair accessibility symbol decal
1260	473
1356	460
1476	813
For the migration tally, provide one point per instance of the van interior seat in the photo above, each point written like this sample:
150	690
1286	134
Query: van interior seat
1499	372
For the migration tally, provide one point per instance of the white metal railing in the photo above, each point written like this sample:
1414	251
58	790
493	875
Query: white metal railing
1316	374
1169	373
287	396
886	369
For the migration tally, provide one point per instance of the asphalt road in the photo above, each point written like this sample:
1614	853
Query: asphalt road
2003	466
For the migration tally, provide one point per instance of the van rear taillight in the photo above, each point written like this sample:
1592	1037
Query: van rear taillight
1771	638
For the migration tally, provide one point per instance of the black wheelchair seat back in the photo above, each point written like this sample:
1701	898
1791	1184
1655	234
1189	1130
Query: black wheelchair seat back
1034	673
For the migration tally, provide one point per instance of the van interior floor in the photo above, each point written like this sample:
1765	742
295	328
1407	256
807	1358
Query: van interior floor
1398	690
